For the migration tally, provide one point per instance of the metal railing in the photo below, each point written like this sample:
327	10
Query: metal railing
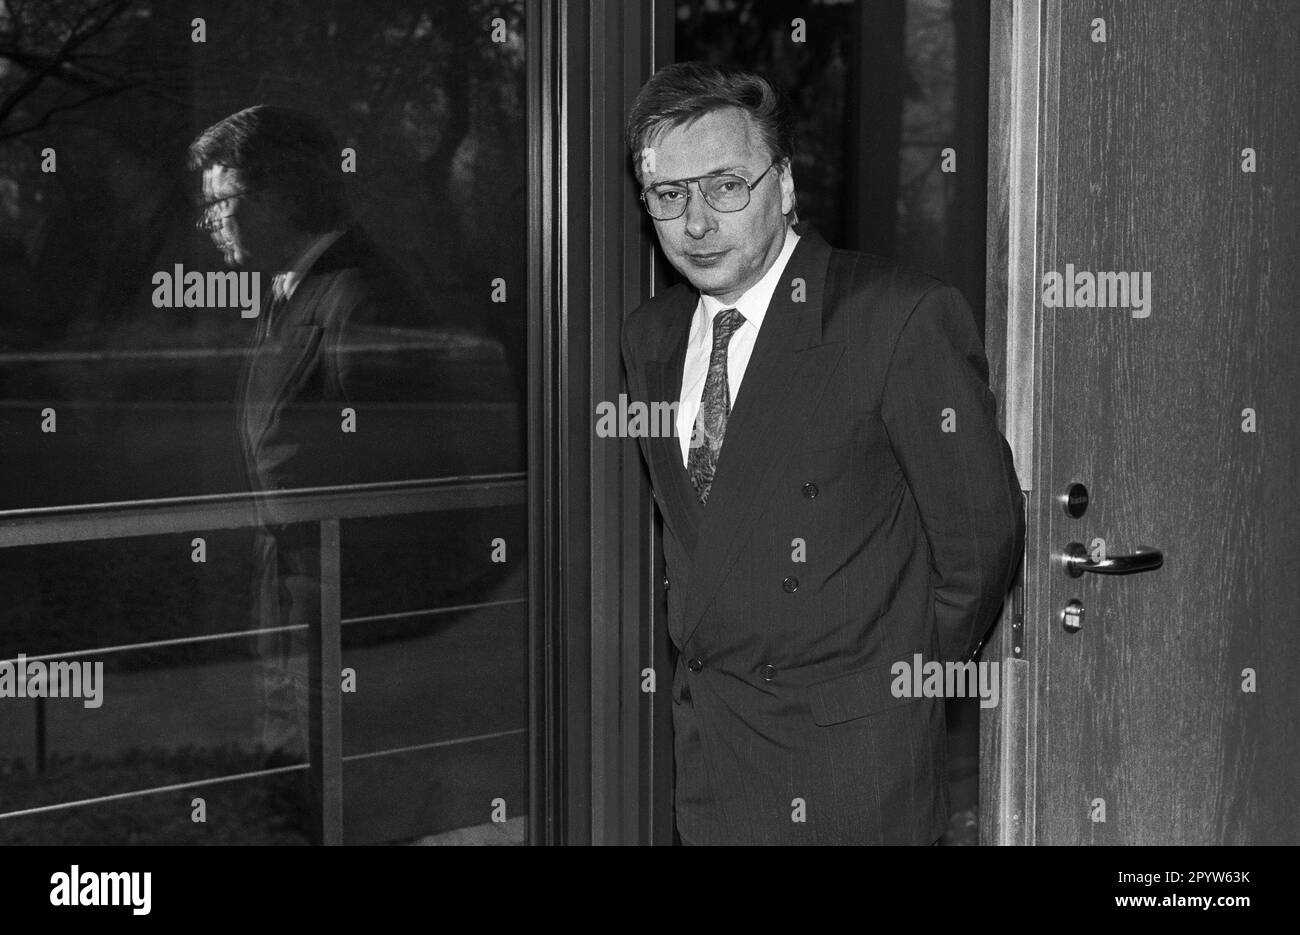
326	506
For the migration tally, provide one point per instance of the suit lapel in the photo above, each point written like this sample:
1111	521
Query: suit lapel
681	509
248	418
287	342
280	361
786	376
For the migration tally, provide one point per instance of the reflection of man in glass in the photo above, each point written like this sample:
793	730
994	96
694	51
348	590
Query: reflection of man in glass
273	202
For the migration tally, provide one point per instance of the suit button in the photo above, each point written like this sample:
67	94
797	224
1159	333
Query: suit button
790	585
768	673
665	582
695	665
810	491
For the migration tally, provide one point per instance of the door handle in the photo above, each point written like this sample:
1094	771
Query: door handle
1077	560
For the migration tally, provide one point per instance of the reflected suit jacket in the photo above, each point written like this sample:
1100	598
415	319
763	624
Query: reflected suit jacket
846	530
296	381
299	376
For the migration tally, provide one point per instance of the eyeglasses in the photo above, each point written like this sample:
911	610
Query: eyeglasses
666	201
222	205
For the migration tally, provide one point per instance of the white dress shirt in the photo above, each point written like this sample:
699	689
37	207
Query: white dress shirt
699	346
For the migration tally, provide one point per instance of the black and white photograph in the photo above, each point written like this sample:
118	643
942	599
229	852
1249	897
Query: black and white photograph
676	422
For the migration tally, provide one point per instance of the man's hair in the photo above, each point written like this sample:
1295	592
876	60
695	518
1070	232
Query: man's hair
281	150
682	93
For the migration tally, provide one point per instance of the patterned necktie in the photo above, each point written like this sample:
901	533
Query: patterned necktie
715	407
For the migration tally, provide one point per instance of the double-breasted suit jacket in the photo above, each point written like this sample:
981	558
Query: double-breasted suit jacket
865	509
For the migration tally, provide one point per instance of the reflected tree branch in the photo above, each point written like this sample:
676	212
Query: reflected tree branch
92	21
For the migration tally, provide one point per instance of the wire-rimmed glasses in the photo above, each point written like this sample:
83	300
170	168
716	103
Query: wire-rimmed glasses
666	201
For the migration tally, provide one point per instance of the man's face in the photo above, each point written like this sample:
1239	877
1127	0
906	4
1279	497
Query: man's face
245	227
720	253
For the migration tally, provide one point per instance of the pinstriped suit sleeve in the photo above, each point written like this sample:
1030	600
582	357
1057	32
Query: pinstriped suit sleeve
941	419
631	345
629	362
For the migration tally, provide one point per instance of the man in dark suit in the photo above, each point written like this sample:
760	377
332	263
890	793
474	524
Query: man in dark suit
274	202
863	509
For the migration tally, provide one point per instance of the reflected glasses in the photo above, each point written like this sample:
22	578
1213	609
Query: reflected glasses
666	201
220	206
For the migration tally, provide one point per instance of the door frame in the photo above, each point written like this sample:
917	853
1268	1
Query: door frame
1024	56
600	747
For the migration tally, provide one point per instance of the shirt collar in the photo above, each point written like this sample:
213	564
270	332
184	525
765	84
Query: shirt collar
754	302
284	284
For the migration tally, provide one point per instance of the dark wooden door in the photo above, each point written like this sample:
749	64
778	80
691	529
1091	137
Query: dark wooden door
1169	149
